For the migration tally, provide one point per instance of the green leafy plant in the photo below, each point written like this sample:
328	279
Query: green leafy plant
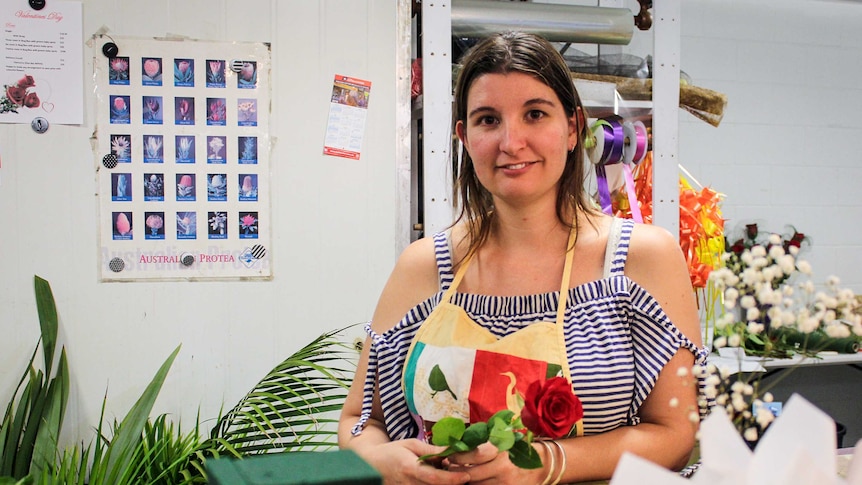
164	452
34	415
126	458
138	451
295	407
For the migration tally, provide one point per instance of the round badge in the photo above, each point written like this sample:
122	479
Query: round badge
110	49
187	259
39	125
109	160
116	265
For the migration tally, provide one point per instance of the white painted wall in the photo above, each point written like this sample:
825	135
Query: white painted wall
787	151
337	223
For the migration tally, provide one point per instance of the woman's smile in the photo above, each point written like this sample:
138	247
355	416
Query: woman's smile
516	166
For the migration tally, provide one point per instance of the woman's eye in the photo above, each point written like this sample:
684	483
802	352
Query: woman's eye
535	114
486	120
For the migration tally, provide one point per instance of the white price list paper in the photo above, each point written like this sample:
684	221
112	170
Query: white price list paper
42	63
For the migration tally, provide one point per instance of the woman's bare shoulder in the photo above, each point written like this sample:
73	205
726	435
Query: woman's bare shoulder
654	256
656	262
420	251
647	239
413	280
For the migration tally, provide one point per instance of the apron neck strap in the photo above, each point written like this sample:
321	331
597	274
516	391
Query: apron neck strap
459	275
567	274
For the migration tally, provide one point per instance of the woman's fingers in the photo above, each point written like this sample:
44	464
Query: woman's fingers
399	463
483	454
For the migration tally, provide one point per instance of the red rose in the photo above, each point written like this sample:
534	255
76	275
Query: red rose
32	100
551	409
26	81
738	247
15	94
751	231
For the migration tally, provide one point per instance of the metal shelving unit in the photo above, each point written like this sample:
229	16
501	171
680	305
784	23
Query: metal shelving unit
437	210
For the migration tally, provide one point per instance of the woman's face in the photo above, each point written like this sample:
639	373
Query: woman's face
518	136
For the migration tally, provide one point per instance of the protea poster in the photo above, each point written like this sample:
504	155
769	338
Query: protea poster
182	160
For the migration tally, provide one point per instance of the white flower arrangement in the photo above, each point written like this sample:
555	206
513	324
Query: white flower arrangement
760	300
772	309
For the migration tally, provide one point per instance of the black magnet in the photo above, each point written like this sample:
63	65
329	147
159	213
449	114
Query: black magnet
110	160
110	49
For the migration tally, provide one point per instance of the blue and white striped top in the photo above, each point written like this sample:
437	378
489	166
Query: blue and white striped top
618	339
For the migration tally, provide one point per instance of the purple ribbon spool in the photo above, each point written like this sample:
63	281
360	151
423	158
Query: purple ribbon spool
614	135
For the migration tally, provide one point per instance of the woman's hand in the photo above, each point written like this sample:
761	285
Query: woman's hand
398	462
487	465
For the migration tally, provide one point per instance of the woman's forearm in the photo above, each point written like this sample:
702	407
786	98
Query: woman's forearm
373	433
595	457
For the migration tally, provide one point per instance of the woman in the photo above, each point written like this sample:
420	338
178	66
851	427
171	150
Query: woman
534	262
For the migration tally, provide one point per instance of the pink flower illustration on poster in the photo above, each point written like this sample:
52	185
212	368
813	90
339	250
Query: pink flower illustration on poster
22	94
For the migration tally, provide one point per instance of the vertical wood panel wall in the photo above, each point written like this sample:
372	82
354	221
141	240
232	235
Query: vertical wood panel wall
337	224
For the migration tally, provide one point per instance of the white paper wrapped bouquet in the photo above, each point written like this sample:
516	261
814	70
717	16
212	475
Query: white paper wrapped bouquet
798	449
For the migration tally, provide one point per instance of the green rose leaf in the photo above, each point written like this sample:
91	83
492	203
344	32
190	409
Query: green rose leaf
506	415
460	446
446	430
476	434
523	455
501	434
504	430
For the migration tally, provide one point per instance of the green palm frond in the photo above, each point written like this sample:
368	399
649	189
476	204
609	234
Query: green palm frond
296	406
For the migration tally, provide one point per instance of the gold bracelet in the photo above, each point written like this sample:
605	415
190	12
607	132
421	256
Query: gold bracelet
562	462
551	453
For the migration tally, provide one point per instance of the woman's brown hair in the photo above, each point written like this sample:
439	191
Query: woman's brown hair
529	54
